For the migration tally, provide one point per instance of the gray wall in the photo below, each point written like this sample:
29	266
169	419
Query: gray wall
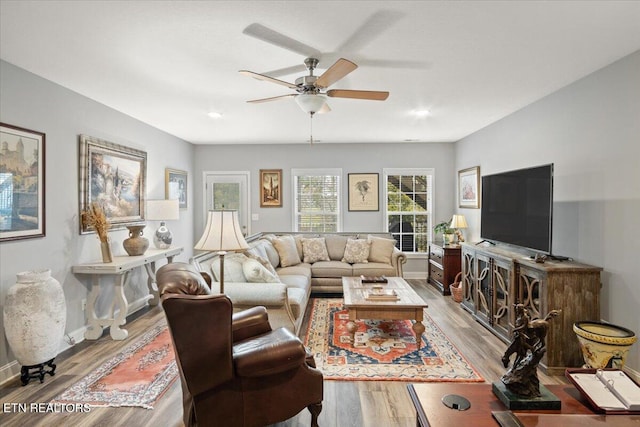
590	131
352	158
31	102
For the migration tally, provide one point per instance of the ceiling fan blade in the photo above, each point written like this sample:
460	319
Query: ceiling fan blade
275	38
358	94
294	69
338	70
273	98
268	79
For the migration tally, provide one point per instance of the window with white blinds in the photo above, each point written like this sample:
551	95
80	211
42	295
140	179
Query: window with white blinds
317	200
408	196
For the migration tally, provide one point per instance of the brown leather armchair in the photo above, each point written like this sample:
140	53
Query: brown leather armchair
234	369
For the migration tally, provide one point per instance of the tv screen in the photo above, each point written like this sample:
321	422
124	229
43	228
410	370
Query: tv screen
517	208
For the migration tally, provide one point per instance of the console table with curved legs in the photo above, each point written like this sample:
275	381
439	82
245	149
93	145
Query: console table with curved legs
120	267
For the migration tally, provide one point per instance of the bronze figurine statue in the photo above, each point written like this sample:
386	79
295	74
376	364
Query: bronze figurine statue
528	344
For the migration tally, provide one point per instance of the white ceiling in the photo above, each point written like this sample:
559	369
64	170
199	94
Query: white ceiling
169	63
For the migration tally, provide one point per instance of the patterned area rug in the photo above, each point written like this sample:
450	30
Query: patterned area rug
384	349
137	376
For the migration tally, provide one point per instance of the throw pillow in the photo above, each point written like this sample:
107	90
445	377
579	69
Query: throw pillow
286	247
256	272
262	261
314	250
356	251
381	249
232	268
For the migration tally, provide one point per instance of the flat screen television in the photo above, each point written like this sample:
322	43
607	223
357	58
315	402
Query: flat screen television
517	208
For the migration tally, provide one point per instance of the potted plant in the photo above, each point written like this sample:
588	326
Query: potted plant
444	227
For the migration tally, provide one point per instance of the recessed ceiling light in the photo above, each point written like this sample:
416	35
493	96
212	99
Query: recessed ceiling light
214	115
421	113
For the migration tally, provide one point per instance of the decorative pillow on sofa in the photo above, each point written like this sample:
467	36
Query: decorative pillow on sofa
265	263
356	251
315	250
286	247
381	249
232	268
254	271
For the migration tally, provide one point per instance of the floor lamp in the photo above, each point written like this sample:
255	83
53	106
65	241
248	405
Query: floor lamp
221	234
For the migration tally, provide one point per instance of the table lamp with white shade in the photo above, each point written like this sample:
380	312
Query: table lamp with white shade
163	210
458	222
221	234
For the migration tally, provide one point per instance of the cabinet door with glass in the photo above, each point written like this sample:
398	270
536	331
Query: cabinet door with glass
502	296
484	289
469	280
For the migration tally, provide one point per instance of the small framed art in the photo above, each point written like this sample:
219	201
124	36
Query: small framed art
363	192
270	188
175	186
469	188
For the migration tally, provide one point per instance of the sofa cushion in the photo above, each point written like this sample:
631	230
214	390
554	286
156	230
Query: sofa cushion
295	281
314	249
301	269
287	251
298	239
262	261
356	250
254	271
331	269
335	246
373	269
272	253
381	249
232	268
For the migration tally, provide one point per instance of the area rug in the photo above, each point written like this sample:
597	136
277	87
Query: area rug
384	349
137	376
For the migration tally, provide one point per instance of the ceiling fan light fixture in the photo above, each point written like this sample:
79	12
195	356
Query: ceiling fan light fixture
311	103
214	115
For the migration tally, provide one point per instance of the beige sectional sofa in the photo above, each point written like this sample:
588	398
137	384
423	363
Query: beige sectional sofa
281	270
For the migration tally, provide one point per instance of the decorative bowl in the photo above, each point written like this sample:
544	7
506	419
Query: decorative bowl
603	345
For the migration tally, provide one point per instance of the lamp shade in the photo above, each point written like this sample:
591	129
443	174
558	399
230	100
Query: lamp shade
164	210
222	233
311	103
458	221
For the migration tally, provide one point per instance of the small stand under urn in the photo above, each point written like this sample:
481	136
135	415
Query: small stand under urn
35	316
136	244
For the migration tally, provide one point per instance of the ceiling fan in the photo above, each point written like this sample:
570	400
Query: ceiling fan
312	94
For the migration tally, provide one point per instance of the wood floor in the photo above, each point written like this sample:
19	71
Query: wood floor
348	403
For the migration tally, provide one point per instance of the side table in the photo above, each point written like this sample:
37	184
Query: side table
120	267
444	264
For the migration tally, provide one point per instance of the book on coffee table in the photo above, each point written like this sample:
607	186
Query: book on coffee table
382	295
373	279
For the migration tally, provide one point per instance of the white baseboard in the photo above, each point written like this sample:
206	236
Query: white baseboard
12	369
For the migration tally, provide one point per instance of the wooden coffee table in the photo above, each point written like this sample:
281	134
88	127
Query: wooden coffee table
409	305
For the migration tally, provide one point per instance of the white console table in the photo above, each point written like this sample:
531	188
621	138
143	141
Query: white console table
120	267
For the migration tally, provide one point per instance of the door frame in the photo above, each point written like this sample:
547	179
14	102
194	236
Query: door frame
247	174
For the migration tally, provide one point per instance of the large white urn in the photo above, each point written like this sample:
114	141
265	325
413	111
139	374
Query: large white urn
35	315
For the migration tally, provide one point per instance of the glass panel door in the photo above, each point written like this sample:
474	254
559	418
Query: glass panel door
229	190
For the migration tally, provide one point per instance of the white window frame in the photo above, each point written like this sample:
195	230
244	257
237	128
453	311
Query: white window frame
315	172
430	201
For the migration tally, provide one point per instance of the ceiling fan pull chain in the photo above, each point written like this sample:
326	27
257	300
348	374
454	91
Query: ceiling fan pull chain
311	128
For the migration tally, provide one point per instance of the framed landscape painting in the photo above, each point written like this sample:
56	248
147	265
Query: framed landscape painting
270	188
22	192
469	188
363	192
115	177
175	186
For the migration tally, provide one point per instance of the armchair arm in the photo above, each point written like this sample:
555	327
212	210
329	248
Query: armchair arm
249	323
256	294
271	353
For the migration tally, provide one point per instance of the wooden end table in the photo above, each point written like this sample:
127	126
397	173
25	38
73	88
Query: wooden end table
409	305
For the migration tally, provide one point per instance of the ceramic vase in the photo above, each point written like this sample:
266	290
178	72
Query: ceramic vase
35	316
135	244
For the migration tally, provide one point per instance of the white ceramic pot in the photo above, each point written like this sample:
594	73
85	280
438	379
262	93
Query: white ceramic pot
604	345
35	316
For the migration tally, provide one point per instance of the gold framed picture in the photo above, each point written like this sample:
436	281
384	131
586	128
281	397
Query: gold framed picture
270	188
